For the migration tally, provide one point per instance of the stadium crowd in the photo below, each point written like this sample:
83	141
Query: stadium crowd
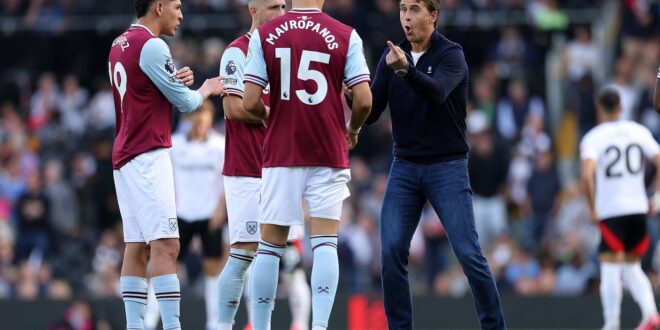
60	231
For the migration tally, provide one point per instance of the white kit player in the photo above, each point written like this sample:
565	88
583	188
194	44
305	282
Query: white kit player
146	86
613	157
197	158
242	179
304	56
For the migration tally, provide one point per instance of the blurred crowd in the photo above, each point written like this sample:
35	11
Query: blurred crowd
60	227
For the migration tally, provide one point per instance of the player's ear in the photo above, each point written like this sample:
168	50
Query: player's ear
253	11
159	8
433	18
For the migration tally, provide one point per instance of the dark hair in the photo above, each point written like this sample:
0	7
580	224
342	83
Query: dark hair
141	7
608	99
432	5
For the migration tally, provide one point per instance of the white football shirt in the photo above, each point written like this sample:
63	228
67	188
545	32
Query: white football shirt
197	169
619	149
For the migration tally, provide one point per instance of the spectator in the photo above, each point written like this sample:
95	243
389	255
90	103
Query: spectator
488	167
624	85
44	102
33	208
543	188
513	110
71	105
63	214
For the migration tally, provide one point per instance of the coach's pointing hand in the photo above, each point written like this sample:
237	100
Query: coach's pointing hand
396	58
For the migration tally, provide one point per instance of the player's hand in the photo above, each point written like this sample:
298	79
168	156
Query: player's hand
352	140
348	92
185	76
267	115
213	87
396	58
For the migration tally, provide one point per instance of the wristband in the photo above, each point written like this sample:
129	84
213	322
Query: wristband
352	130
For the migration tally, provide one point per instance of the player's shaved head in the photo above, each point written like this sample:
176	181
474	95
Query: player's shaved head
608	99
254	3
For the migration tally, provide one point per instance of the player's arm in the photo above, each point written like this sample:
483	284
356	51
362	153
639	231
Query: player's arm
232	67
380	90
656	195
656	95
256	79
357	78
252	101
588	180
156	62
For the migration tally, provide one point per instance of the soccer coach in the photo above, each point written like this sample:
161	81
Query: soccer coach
425	81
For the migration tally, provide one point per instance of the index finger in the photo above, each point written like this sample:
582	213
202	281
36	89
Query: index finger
392	46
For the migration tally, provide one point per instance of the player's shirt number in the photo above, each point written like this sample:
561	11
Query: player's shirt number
118	80
305	73
632	156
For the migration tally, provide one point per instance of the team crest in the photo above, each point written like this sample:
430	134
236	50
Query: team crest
169	66
173	225
251	227
230	69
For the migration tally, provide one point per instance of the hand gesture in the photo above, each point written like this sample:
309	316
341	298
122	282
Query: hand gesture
396	58
213	87
185	76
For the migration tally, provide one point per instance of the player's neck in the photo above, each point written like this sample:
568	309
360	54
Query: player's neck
307	4
193	136
150	24
254	26
606	119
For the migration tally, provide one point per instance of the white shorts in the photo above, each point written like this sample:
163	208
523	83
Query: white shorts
145	192
243	194
282	189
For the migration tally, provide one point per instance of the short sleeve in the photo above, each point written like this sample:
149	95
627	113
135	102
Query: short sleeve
356	70
156	62
588	148
255	67
649	144
232	68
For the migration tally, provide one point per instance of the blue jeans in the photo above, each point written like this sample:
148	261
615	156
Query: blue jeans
446	186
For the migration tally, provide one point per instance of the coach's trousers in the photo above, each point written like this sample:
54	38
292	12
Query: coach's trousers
446	186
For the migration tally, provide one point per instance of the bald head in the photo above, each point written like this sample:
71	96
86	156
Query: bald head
263	11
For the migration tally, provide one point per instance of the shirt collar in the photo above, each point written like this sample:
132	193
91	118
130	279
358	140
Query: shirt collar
144	27
305	11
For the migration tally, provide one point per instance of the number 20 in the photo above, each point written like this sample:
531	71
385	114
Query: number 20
118	79
628	156
304	73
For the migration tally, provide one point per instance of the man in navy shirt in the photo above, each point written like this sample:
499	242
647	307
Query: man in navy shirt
425	79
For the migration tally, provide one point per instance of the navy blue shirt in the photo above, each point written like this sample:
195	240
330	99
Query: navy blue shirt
428	104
